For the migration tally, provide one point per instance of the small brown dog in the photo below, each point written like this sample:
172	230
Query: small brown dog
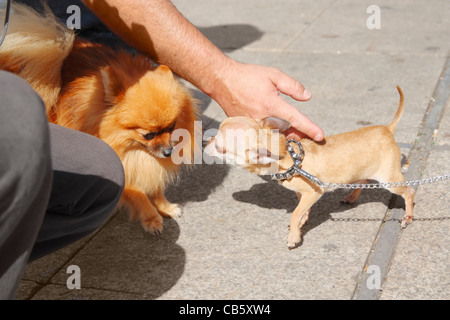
352	157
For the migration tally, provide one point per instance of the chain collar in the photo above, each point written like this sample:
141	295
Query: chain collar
297	158
295	169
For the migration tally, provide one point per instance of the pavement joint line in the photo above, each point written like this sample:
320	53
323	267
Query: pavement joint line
385	242
340	52
48	282
56	284
302	30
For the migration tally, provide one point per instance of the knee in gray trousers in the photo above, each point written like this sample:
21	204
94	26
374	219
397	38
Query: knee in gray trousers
56	184
88	181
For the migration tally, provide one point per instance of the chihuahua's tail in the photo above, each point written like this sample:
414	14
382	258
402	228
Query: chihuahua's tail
393	124
35	48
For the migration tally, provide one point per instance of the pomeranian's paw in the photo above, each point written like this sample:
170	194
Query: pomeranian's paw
153	225
173	211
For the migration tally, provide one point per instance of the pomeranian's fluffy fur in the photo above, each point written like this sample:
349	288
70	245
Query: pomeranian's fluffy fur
119	97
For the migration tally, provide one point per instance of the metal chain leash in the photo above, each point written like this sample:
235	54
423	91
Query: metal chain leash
296	170
383	185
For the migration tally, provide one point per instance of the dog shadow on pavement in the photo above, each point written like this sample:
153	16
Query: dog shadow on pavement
271	195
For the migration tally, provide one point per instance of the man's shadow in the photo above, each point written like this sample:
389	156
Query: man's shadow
231	37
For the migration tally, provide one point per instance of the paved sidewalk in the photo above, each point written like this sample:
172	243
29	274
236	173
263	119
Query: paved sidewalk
230	242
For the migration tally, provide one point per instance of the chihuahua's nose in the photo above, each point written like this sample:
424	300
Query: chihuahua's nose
167	152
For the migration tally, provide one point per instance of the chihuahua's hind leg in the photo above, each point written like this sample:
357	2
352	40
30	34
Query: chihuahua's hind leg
142	209
407	194
353	196
164	207
300	216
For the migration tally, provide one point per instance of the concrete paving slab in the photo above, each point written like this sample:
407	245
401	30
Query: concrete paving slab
39	272
42	270
352	90
407	27
390	231
27	289
61	291
260	25
420	268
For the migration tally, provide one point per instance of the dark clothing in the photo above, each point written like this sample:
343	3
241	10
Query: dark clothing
56	184
91	27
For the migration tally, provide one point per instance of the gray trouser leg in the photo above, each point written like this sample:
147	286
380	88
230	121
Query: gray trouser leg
48	198
88	181
25	177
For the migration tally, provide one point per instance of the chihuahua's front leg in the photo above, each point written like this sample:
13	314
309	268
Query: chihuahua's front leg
300	216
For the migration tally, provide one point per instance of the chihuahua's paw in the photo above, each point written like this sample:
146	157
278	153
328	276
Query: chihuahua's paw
153	225
293	240
292	245
405	221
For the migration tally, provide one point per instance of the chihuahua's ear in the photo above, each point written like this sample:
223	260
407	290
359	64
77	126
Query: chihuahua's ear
275	124
112	85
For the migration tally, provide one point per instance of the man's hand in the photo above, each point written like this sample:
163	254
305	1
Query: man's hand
254	91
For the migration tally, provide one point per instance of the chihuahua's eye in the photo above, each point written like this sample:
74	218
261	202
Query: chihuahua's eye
149	136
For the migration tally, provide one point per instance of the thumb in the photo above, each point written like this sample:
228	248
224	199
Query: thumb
301	125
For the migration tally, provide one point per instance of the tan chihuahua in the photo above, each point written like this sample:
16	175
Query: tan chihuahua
369	153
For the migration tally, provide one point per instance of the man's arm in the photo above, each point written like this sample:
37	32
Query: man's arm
158	29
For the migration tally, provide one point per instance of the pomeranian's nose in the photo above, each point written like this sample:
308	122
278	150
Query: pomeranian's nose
167	152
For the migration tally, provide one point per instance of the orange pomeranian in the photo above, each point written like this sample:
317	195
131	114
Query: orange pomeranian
119	97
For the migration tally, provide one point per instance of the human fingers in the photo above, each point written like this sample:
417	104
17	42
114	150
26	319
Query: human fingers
289	86
301	125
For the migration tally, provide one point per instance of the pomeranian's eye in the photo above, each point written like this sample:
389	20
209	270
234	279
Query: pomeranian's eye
149	136
170	129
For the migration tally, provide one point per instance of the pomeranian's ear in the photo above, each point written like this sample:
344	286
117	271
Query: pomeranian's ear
163	69
275	124
112	85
